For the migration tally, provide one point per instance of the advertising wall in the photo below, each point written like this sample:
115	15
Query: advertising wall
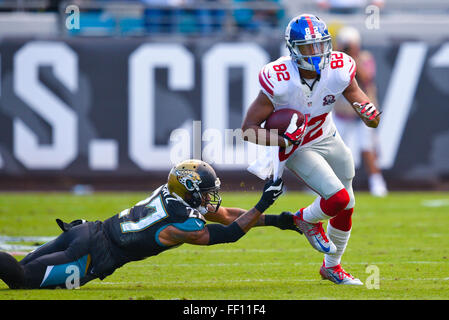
128	107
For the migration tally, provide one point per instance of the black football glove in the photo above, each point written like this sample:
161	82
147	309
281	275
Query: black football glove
283	221
286	222
271	191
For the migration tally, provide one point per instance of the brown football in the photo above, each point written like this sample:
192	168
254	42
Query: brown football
280	120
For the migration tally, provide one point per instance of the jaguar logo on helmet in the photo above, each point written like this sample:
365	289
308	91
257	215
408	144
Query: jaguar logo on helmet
188	178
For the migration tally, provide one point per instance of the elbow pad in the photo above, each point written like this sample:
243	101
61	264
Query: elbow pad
223	234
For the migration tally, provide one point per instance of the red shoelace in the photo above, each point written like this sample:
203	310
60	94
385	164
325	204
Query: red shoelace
318	229
340	272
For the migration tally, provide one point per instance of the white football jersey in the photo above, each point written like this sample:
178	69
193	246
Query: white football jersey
280	81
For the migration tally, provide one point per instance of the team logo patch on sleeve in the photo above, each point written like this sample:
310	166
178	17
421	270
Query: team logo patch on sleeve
329	99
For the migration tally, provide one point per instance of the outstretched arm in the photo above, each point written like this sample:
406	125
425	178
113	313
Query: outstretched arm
226	216
217	233
213	233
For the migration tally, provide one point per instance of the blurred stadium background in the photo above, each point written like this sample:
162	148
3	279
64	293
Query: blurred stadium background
90	101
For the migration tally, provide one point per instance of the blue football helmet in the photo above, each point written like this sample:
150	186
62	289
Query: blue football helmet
309	42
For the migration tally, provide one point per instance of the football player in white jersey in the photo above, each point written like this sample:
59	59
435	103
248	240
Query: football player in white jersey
310	80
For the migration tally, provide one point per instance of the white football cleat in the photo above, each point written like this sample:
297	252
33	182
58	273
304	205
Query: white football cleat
338	275
314	232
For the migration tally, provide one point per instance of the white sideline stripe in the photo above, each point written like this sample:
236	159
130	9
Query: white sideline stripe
305	249
416	279
435	203
25	239
214	281
260	280
15	247
182	265
12	247
19	249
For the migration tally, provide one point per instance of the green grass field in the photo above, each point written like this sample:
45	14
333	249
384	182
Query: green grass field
404	235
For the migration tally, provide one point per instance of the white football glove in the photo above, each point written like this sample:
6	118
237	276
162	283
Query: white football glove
368	113
294	134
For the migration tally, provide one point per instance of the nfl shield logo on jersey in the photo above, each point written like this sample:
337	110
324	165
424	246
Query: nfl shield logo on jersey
329	99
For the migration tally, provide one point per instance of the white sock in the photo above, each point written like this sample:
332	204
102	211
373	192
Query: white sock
377	185
313	213
340	239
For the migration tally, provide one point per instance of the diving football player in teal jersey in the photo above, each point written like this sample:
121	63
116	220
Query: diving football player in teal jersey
173	214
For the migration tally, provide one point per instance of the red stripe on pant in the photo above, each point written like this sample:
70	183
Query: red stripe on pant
342	221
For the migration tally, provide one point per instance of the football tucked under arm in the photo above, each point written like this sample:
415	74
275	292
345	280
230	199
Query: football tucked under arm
294	133
290	125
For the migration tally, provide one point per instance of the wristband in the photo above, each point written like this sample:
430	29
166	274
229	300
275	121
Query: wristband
271	220
262	205
223	234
